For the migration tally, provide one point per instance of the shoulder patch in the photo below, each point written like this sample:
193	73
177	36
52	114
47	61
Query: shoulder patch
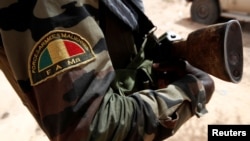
57	52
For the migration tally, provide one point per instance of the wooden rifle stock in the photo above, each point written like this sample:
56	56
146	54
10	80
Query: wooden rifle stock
216	49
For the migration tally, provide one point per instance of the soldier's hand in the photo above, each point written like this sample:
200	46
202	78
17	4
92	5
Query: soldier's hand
168	72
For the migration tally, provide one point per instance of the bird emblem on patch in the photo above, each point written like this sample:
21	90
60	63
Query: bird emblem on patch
57	52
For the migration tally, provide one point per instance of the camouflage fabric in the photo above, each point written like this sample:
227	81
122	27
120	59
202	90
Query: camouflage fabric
59	57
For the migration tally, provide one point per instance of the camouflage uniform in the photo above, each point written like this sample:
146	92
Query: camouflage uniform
57	55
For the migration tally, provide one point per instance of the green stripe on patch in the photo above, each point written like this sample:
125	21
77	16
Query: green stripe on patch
45	56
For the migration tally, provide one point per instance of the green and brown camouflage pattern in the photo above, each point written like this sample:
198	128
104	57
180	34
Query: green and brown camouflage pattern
59	57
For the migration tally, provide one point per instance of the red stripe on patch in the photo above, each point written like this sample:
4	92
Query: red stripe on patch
73	48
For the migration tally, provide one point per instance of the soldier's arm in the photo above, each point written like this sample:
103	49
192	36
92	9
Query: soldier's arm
62	67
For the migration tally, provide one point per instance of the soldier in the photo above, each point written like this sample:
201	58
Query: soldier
80	68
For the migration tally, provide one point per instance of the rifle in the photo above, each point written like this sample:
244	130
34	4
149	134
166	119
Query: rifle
216	49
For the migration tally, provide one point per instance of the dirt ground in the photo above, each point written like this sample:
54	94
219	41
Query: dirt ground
229	104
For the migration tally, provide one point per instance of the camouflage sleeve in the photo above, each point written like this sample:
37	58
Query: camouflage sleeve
58	56
149	114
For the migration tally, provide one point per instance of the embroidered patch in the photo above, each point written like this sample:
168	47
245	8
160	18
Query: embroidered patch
57	52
